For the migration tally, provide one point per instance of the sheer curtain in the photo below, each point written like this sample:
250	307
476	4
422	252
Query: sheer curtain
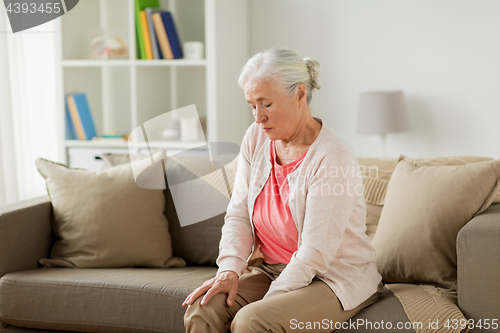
28	108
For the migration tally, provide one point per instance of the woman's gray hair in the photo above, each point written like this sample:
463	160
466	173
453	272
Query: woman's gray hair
283	66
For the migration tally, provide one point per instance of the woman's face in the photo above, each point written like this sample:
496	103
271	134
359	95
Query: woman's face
276	111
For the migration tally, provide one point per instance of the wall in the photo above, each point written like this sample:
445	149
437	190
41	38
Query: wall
231	52
444	54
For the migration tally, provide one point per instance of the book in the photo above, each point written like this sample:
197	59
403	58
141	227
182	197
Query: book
173	37
152	33
161	34
112	135
145	33
141	5
85	115
81	116
70	129
75	118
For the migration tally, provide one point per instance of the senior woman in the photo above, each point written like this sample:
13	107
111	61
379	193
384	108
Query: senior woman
298	197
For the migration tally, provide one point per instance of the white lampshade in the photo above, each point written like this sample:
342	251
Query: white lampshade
382	112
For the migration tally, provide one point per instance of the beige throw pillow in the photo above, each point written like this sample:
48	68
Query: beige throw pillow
377	172
425	207
103	219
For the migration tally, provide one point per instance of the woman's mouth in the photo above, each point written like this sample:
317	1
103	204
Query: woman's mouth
267	129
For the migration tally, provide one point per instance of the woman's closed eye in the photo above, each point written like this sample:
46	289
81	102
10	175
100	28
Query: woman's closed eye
254	107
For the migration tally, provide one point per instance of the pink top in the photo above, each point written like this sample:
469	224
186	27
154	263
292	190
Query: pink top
274	226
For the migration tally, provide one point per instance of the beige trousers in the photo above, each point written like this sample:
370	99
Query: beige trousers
314	308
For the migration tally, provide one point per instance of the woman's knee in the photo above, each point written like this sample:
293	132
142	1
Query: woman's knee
251	318
206	318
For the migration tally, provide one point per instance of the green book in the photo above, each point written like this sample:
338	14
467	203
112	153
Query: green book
141	5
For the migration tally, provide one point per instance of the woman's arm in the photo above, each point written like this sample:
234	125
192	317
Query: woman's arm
330	202
236	242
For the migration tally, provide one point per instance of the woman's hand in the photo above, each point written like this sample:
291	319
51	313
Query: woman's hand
225	282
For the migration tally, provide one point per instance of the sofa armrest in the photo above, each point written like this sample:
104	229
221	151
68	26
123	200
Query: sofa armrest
478	254
25	234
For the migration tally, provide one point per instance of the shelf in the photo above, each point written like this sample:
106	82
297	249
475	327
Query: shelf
124	144
95	62
128	62
94	144
173	144
171	62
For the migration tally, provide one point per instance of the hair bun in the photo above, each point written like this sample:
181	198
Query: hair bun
313	68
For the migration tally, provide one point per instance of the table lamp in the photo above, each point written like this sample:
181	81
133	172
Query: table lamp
382	112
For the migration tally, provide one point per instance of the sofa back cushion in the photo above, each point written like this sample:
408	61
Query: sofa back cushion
197	244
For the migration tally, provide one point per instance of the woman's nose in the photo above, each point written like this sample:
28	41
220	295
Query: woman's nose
259	115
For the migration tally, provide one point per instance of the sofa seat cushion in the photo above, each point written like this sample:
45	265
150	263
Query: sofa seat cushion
386	315
100	300
131	300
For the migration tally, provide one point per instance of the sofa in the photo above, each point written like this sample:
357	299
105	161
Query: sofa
39	299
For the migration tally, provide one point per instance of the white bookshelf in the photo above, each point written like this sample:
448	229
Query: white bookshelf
125	93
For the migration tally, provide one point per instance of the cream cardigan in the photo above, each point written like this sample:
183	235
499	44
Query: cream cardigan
327	204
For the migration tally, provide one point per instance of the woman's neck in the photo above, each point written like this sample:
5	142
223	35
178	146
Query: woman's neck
307	131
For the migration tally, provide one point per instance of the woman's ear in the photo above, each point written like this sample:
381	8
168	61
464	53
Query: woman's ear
301	93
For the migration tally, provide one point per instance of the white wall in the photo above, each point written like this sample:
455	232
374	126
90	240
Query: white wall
444	54
232	51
